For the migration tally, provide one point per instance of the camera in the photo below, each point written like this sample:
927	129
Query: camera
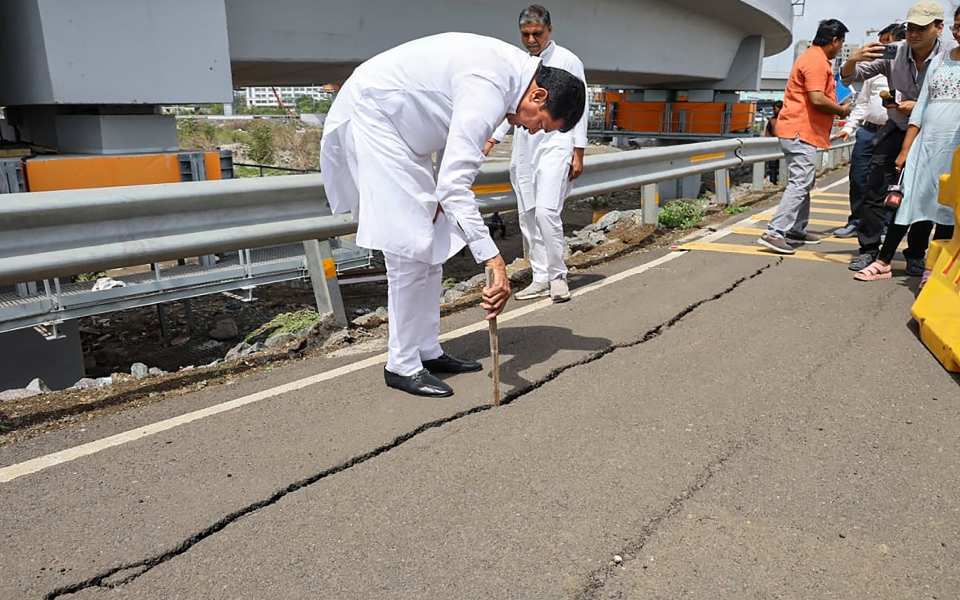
889	51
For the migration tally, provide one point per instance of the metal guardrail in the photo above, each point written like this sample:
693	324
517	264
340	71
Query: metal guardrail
45	235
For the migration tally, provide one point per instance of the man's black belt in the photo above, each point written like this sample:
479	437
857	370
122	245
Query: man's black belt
871	127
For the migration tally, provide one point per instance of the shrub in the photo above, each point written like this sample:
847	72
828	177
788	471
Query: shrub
681	214
733	209
260	146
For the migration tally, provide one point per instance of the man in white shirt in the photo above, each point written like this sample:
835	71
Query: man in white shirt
868	117
443	93
542	167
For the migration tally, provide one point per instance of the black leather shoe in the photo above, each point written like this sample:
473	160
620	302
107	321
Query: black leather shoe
451	364
421	383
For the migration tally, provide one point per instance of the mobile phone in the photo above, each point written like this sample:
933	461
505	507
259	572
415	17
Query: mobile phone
889	51
888	100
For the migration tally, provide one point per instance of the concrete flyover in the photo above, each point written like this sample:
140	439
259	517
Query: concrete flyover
675	43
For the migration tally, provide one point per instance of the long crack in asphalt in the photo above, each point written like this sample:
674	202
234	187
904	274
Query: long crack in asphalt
117	576
597	579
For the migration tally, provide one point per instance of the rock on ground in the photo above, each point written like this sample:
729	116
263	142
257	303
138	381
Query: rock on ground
372	320
139	370
37	386
609	219
280	339
85	383
16	394
224	329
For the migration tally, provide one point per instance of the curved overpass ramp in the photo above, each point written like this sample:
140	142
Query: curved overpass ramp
718	44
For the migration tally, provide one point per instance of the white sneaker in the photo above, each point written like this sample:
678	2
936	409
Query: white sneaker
537	289
559	291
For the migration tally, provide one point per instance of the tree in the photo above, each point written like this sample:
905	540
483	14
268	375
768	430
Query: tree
260	148
310	105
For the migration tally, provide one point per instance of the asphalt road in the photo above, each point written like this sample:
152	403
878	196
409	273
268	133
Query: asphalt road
729	425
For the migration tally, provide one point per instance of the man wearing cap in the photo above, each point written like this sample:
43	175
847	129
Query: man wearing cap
868	117
542	167
905	74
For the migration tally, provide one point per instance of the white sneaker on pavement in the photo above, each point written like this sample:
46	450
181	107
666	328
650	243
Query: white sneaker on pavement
537	289
559	291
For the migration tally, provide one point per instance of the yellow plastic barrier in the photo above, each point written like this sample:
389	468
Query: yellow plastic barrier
937	308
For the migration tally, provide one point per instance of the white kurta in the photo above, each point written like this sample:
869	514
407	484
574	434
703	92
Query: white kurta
445	92
540	163
540	175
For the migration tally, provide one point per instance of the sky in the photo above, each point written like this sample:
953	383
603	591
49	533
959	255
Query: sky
857	15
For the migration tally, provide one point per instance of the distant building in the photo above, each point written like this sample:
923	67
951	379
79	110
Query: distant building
264	97
841	58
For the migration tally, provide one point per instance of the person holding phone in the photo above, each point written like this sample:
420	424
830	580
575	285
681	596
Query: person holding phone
905	73
927	153
868	117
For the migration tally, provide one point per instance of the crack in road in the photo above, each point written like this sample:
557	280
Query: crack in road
597	579
117	576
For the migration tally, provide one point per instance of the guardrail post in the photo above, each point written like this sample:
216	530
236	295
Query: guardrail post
782	176
323	276
721	181
650	203
758	173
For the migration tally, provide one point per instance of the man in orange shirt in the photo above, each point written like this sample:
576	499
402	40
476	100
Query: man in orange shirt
804	124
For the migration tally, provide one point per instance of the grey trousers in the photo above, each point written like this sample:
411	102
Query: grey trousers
793	214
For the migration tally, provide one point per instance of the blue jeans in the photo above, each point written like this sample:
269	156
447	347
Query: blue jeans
859	166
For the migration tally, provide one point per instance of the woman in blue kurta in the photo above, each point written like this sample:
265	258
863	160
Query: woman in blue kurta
932	138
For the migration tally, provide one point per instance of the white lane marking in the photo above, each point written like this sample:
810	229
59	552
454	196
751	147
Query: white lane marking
34	465
836	183
40	463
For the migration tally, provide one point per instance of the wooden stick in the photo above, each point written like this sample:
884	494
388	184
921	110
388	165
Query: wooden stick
494	348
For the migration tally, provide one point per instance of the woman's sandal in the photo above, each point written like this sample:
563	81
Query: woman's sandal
923	280
875	271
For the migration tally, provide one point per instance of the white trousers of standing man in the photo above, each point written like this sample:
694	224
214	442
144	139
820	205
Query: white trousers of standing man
540	178
413	302
542	232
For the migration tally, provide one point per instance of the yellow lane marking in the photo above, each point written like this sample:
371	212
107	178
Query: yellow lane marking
827	257
830	239
830	202
827	222
839	258
702	157
829	195
830	211
484	189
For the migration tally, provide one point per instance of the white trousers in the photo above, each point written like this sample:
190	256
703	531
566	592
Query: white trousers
542	232
413	301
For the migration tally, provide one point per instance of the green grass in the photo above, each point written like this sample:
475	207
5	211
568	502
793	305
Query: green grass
681	214
733	209
290	322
